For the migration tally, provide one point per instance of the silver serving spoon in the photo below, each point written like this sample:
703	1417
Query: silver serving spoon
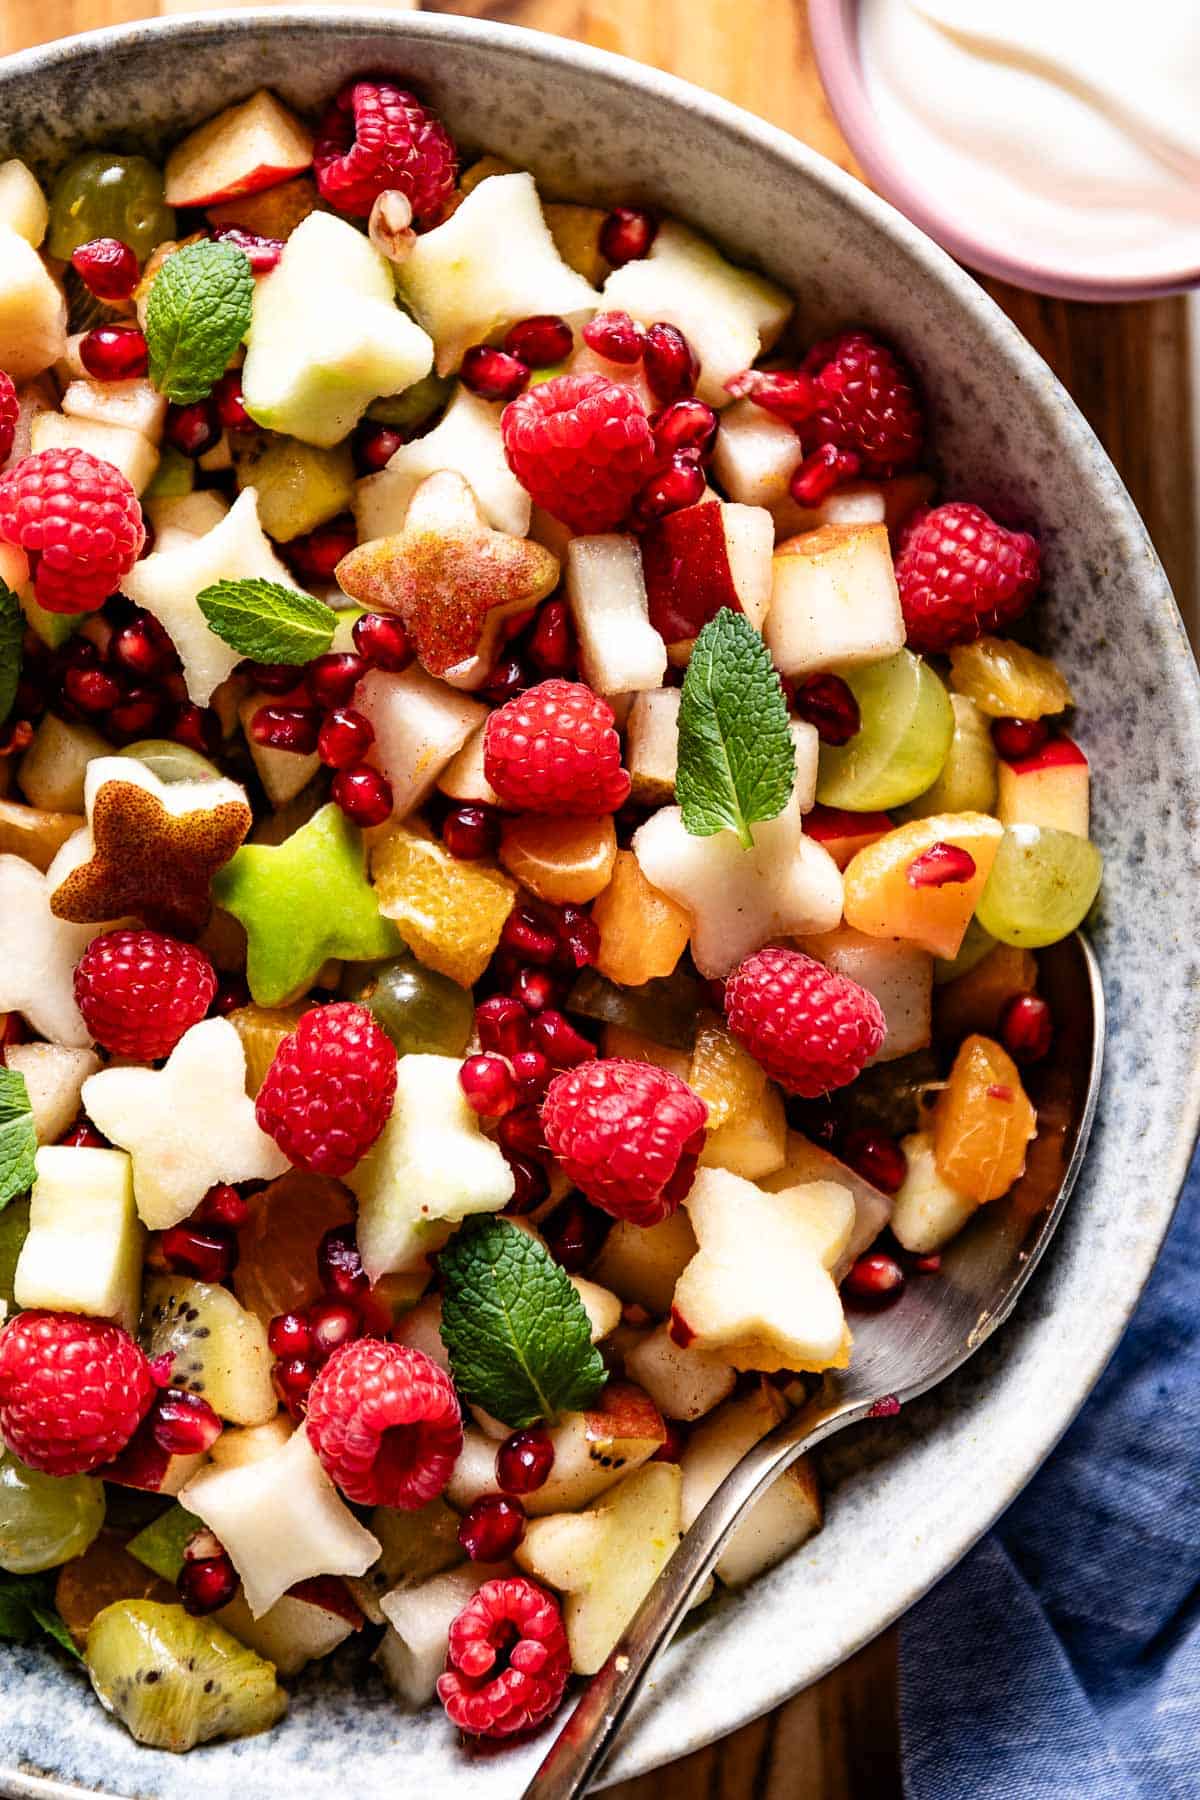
898	1354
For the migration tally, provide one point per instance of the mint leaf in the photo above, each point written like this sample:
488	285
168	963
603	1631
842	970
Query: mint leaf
12	626
737	762
515	1329
18	1139
27	1607
268	621
196	316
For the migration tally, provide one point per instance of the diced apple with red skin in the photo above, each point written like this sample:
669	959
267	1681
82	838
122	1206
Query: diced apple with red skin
143	1464
834	601
786	1515
927	1211
807	1164
308	1622
620	651
413	1653
1049	788
844	834
701	559
643	1264
652	746
683	1383
419	724
592	1450
253	145
898	973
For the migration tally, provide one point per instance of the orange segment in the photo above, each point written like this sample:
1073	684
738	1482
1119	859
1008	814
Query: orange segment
643	933
884	895
564	861
262	1029
982	1122
725	1076
449	913
1007	680
277	1260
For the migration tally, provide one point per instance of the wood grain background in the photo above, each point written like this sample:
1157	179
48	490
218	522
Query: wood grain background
1128	368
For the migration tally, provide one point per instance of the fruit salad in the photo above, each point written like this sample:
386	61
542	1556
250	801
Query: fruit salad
526	818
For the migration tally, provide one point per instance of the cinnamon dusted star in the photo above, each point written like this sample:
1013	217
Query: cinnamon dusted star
150	848
451	579
38	954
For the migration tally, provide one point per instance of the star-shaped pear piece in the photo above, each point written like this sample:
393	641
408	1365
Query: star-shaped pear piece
38	954
759	1292
150	847
302	902
451	579
186	1126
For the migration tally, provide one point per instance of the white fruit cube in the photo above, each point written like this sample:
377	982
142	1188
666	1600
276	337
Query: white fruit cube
134	405
786	1515
899	974
420	724
54	1076
492	262
807	1164
652	745
927	1211
728	315
463	777
282	772
592	1450
755	455
191	515
619	650
23	206
38	954
751	1144
1049	788
466	440
858	503
33	312
643	1263
293	1632
256	144
84	1250
834	601
413	1652
684	1383
134	455
702	558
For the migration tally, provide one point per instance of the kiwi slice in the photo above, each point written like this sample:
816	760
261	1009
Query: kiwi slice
174	1681
217	1348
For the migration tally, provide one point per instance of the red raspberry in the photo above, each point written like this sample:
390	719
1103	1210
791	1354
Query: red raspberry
582	446
329	1089
72	1391
10	412
80	521
554	749
385	1422
507	1661
810	1029
377	136
627	1133
868	404
139	991
961	575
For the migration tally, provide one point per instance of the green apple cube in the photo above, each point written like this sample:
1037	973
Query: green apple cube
84	1249
326	336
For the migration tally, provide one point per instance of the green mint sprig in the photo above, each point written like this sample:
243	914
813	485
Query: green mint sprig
267	621
18	1138
12	626
737	762
27	1608
514	1327
196	316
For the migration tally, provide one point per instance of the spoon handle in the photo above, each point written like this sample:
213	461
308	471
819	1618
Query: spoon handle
585	1740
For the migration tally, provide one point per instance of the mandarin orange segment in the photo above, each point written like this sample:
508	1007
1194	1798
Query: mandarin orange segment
974	1001
643	933
563	861
277	1260
1007	680
449	913
262	1029
982	1122
725	1076
907	885
632	1046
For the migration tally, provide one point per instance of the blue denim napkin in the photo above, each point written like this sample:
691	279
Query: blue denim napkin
1061	1659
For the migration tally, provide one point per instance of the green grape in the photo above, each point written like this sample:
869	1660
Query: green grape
419	1009
975	946
14	1229
45	1519
170	761
414	406
901	744
102	195
968	779
1041	886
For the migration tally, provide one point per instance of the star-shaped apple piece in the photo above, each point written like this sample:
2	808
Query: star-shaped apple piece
759	1292
302	902
450	578
150	848
38	954
186	1126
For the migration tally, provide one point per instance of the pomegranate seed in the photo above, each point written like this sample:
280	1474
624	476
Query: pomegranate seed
91	690
826	468
288	1336
332	679
558	1040
878	1159
502	1024
575	1232
262	253
83	1136
580	937
344	738
363	795
535	989
790	394
107	267
636	1316
1026	1028
184	1424
382	641
488	1085
198	727
552	642
293	1377
940	864
207	1585
492	1528
339	1265
492	374
316	555
531	1072
332	1324
927	1265
292	728
531	1185
672	1447
469	832
886	1408
222	1205
375	445
541	341
193	429
672	366
207	1252
231	408
133	716
506	679
1001	1091
626	235
1016	739
15	737
875	1280
529	936
521	1132
827	702
231	993
680	484
275	678
115	353
614	336
687	425
524	1461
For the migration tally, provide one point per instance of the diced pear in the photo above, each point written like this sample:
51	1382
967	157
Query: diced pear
619	650
193	513
652	745
54	1075
683	1383
23	206
296	1630
592	1450
809	1165
33	312
899	974
643	1264
751	1144
282	772
463	777
415	1546
834	601
786	1515
84	1249
134	455
927	1211
413	1652
755	454
299	486
467	440
419	724
242	1444
134	405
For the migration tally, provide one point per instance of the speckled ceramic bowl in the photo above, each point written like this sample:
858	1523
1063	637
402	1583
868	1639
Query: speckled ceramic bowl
918	1491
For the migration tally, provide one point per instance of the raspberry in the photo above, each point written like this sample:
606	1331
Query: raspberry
507	1661
811	1030
628	1134
581	445
329	1089
80	521
139	991
376	136
385	1422
554	749
10	412
868	404
961	575
72	1391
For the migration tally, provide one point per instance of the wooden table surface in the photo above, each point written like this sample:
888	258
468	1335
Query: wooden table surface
1127	366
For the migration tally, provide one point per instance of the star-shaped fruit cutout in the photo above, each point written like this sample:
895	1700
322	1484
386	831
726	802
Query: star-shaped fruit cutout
302	902
150	848
451	579
759	1292
186	1126
38	954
